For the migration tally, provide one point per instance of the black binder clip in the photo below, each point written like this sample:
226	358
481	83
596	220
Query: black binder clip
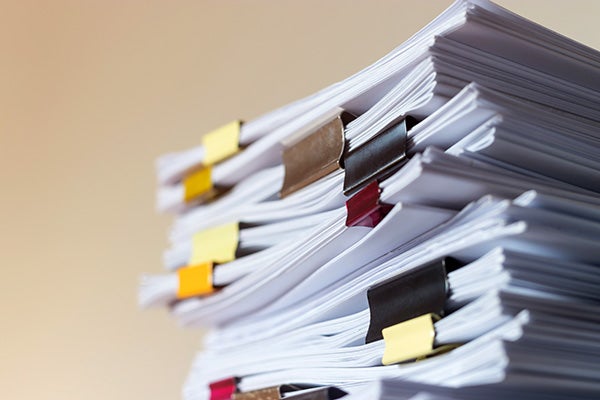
296	392
379	158
417	292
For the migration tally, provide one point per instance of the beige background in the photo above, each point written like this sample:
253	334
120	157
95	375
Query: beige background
90	93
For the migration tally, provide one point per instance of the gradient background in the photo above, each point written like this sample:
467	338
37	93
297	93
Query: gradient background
90	93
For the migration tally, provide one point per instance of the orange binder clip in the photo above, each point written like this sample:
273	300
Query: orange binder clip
195	280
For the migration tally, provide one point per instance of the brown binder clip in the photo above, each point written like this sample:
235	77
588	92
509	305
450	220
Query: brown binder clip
316	155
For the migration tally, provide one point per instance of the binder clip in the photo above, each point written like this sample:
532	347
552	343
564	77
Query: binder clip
219	145
197	184
218	245
322	393
198	187
195	280
365	209
420	291
289	392
378	158
316	155
270	393
412	340
223	389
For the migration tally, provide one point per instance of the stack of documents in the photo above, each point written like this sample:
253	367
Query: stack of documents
427	228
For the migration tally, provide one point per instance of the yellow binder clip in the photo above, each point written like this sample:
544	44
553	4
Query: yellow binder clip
409	339
197	184
215	245
218	145
221	143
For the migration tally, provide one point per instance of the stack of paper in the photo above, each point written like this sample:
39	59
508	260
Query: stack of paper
427	228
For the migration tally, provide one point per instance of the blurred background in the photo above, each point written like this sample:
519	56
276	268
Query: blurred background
91	92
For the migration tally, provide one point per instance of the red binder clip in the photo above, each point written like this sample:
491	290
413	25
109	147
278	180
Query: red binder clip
223	389
365	209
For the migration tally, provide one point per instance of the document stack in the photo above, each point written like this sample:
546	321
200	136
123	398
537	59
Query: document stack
428	228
